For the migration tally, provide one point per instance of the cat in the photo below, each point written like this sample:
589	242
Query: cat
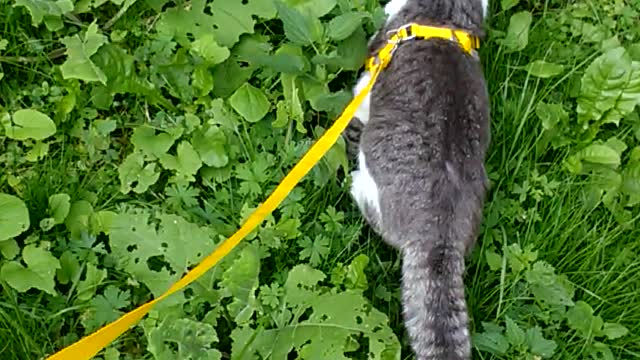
421	139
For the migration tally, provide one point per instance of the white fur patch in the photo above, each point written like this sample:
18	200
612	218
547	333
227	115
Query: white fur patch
485	7
363	188
393	7
363	110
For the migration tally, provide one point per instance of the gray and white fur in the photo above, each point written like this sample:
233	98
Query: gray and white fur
421	140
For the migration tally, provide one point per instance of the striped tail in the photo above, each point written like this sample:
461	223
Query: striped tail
435	310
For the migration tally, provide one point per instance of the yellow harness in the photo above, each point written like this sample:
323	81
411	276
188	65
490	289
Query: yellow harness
466	41
89	346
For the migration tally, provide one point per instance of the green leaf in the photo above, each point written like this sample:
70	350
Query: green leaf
122	78
581	318
356	279
9	249
78	218
134	240
228	20
210	145
538	344
93	278
342	26
39	9
69	268
208	49
493	260
250	102
549	287
59	205
240	281
610	88
600	154
315	8
186	163
508	4
515	335
30	124
614	331
299	27
79	50
543	69
152	145
135	175
38	152
492	341
182	339
334	321
14	217
551	115
517	36
39	273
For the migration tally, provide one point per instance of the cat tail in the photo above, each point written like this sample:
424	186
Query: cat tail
435	310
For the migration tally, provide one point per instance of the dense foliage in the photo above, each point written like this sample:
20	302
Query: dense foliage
137	134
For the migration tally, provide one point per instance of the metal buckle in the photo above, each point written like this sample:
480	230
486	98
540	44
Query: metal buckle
406	27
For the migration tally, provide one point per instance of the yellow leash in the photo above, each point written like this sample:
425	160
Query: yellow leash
89	346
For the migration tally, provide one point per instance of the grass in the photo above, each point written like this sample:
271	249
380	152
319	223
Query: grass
549	258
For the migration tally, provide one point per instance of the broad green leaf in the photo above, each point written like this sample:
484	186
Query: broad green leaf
30	124
493	342
42	9
600	154
614	331
38	274
135	175
551	115
299	27
79	51
610	88
77	220
211	146
288	58
356	279
493	260
240	281
334	321
301	284
182	339
543	69
9	249
342	26
250	102
538	344
186	163
37	152
508	4
226	20
59	205
152	145
549	287
14	217
517	36
69	268
315	8
515	335
134	239
93	278
581	318
208	49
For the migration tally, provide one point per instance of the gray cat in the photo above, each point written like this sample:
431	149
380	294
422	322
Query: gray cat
421	140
